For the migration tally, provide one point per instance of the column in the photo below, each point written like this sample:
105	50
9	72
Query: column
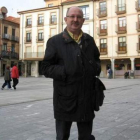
132	72
36	69
25	72
132	64
113	67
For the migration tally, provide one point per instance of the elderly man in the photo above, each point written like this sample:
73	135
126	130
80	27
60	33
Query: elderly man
66	61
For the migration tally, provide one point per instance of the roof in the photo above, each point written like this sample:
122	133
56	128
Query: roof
13	19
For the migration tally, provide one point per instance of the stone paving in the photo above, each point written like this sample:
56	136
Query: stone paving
27	113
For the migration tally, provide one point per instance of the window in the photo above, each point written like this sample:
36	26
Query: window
13	32
5	29
103	45
102	7
40	35
139	43
50	5
40	51
122	44
40	20
4	48
85	10
103	24
29	21
28	37
53	18
122	22
13	48
121	5
52	32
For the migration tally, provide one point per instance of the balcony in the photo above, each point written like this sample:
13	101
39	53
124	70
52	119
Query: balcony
6	36
15	38
28	24
121	29
120	9
121	49
40	39
40	22
103	50
33	55
9	54
138	26
138	47
137	5
102	12
101	32
53	20
27	40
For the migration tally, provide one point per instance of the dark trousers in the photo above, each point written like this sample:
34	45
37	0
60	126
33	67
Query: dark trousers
7	82
84	130
15	82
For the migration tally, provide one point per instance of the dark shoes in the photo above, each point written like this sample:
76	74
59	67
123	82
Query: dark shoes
92	137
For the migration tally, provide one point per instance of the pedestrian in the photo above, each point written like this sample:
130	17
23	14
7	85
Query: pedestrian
7	78
73	76
15	75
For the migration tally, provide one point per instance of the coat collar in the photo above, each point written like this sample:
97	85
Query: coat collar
68	38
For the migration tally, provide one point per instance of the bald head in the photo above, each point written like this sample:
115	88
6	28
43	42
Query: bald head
74	8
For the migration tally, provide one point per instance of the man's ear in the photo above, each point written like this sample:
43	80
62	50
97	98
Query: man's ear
65	18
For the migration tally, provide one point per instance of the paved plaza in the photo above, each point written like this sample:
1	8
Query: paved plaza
27	113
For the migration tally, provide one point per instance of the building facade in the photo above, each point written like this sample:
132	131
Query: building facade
9	40
36	27
117	35
114	24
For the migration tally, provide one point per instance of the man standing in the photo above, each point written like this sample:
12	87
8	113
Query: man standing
15	75
73	76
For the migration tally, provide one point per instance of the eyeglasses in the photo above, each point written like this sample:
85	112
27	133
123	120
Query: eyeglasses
73	17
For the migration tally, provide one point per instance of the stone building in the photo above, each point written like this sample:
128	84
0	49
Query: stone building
9	40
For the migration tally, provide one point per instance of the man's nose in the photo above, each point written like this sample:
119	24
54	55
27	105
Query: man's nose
75	18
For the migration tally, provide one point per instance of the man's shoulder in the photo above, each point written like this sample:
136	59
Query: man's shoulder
57	36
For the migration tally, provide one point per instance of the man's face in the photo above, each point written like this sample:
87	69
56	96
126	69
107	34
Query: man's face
74	20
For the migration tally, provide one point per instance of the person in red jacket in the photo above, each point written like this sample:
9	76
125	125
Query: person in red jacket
15	75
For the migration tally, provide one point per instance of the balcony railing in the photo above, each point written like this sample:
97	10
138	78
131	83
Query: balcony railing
138	47
15	38
103	50
27	40
137	5
5	36
33	55
9	54
40	22
121	49
53	20
101	32
120	9
40	39
28	24
102	12
121	29
138	26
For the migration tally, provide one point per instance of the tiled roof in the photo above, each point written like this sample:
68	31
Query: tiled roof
13	19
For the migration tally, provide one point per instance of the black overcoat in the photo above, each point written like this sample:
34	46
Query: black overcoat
73	76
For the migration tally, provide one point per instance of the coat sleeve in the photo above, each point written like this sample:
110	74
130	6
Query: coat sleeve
50	66
97	59
17	72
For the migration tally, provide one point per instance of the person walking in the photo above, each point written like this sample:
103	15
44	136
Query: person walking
15	75
7	78
73	76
